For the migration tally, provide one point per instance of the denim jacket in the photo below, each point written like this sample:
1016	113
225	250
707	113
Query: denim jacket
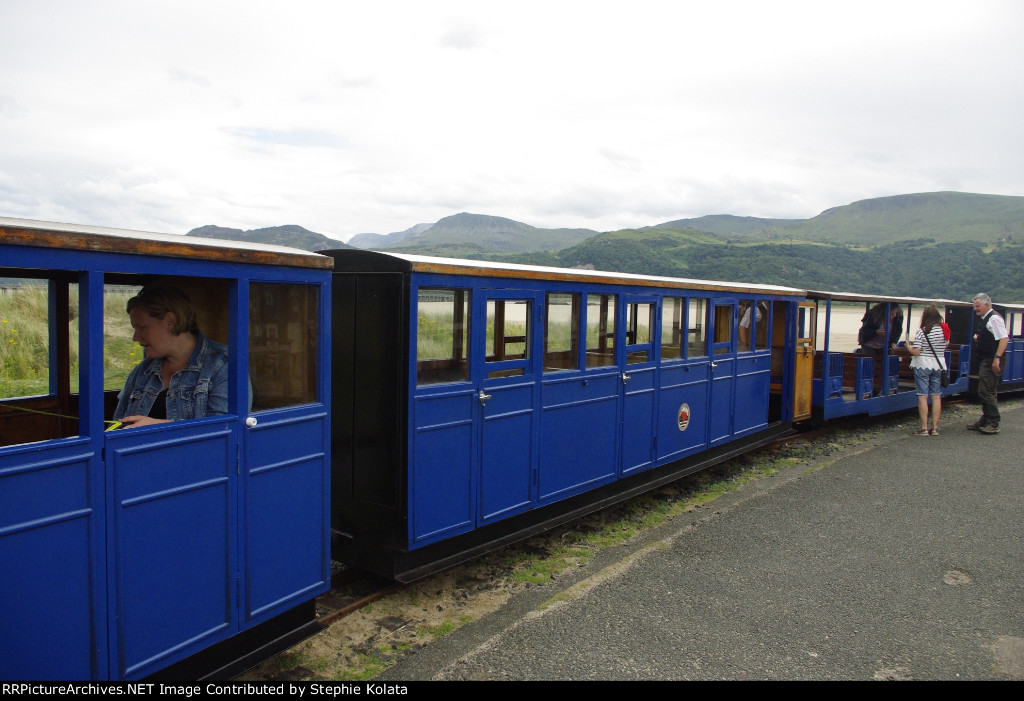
197	390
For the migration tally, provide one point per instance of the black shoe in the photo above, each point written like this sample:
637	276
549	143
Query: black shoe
976	426
990	429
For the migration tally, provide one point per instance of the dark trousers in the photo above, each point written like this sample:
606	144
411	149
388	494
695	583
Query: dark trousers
988	391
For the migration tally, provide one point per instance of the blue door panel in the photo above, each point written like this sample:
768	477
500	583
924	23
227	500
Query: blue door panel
287	550
638	421
282	437
444	409
174	584
47	602
752	401
173	533
440	480
577	447
682	420
169	460
684	374
51	552
63	479
1015	367
580	389
46	597
721	408
507	461
440	472
508	399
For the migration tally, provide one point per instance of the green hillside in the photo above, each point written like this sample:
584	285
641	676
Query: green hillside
907	268
728	225
944	216
940	244
481	232
287	235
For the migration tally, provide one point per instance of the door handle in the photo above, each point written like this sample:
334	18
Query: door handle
483	398
714	365
625	378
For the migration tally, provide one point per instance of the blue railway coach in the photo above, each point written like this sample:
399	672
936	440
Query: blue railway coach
476	403
850	380
127	552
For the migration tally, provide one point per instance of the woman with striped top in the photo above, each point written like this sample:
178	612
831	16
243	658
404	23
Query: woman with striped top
929	352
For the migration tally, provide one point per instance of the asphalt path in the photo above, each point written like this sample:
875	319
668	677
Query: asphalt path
902	558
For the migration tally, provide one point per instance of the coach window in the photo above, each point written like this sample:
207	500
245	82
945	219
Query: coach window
561	331
120	352
672	321
442	336
745	338
207	298
508	322
723	328
696	334
639	324
283	340
753	326
38	358
1013	324
600	330
762	327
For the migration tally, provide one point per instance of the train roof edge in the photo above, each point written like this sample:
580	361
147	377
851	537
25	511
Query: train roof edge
31	232
362	261
861	297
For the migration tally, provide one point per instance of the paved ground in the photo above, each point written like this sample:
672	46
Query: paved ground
902	559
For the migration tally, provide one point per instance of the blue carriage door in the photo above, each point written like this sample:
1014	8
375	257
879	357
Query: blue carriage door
722	347
286	546
682	417
507	395
638	374
172	492
52	601
753	367
579	426
442	450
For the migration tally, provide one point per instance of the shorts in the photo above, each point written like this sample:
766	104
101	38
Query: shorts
927	381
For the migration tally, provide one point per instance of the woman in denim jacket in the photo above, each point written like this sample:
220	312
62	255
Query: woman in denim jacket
184	375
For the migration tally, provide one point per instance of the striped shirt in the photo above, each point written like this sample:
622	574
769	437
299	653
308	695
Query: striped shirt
926	360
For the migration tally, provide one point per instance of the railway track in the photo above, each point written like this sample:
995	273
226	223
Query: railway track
351	589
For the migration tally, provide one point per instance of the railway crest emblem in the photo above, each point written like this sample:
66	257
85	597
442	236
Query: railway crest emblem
684	416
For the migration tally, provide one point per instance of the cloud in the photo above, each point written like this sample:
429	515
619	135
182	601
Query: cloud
461	35
350	118
8	107
183	75
303	138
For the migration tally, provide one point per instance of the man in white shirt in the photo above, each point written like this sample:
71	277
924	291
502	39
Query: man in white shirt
989	347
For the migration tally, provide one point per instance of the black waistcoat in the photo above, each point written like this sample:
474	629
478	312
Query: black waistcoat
985	343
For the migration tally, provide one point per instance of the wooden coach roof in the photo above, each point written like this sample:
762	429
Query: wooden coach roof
28	232
371	261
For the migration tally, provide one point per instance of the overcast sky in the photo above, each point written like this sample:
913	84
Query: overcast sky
349	117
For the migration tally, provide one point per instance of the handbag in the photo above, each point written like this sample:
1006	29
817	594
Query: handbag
944	375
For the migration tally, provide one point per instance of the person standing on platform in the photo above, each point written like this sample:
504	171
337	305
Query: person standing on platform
989	346
928	353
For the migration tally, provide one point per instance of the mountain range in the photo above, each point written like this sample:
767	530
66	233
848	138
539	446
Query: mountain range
942	244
